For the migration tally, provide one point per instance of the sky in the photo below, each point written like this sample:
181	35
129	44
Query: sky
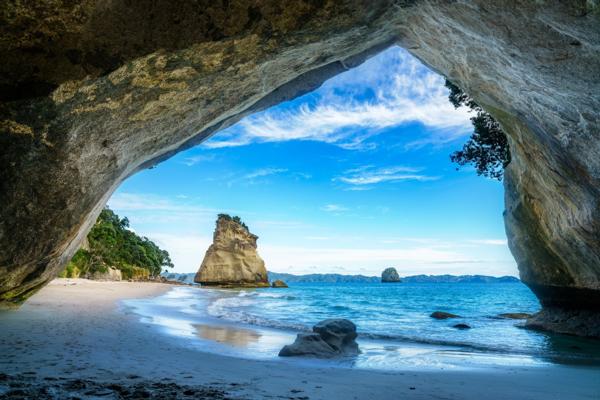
351	178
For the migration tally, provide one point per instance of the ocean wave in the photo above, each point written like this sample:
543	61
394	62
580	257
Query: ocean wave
276	296
469	346
232	310
340	308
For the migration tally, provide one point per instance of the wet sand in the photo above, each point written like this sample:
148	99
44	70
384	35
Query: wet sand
71	338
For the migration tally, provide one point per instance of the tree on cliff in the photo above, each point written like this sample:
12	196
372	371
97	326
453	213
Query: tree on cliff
112	244
487	148
235	219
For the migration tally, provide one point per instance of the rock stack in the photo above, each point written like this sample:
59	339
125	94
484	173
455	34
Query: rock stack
390	275
232	259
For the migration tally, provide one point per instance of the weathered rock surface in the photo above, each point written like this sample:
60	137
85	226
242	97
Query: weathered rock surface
93	91
232	259
570	322
111	274
279	284
390	275
443	315
330	338
514	315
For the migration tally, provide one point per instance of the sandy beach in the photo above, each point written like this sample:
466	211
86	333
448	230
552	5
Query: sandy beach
73	338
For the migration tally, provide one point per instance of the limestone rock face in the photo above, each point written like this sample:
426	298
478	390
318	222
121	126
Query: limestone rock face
232	259
390	275
111	274
93	91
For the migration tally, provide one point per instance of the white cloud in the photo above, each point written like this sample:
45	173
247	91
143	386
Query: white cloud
491	242
371	261
264	172
335	208
193	160
146	208
404	92
369	176
255	176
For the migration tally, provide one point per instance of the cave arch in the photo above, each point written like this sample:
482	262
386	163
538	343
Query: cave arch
93	92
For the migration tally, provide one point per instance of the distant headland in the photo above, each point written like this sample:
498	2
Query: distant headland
340	278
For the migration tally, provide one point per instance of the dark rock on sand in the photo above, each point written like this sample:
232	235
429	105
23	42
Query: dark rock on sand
279	284
22	387
461	326
515	315
390	275
330	338
443	315
308	344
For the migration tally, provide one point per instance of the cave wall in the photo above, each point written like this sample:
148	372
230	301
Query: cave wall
93	91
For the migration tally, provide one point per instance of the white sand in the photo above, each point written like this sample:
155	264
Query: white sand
72	328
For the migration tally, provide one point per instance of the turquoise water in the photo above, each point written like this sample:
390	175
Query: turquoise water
392	319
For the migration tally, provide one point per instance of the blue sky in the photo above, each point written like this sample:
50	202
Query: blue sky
351	178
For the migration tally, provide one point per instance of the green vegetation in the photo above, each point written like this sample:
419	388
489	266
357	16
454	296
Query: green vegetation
487	148
234	219
112	244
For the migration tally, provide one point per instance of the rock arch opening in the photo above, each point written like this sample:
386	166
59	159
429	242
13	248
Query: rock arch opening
350	178
88	102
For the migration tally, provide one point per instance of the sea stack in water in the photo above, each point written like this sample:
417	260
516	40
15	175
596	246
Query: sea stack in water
232	259
390	275
279	284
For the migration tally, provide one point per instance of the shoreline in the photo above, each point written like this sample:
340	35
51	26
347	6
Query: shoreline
72	330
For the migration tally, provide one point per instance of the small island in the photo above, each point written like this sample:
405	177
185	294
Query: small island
390	275
232	259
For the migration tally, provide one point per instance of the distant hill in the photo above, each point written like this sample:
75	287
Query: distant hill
323	278
339	278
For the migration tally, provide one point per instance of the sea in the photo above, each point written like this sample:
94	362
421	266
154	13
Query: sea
393	322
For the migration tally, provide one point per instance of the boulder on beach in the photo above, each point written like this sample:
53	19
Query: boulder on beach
279	284
330	338
390	275
514	315
443	315
232	259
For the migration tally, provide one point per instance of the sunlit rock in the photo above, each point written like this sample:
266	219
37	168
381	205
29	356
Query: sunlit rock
232	259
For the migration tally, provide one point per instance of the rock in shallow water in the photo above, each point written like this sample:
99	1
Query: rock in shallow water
514	315
279	284
330	338
570	322
461	326
443	315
